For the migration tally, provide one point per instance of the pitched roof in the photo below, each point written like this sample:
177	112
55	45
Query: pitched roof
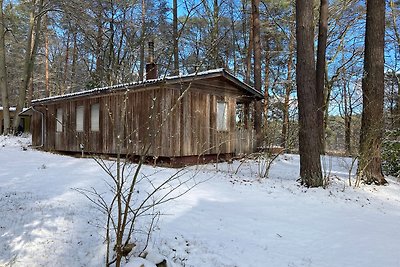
168	79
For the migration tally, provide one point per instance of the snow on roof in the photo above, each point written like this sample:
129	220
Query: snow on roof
13	109
221	71
10	108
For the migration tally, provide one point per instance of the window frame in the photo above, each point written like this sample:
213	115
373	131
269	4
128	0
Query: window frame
80	118
95	121
222	122
59	120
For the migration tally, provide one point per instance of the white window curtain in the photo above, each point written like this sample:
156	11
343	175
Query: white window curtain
79	118
59	120
222	116
95	117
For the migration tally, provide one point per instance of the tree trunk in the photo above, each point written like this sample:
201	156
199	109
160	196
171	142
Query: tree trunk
309	146
257	68
266	79
327	99
142	42
175	37
3	75
99	46
234	42
320	69
30	91
288	91
215	36
370	161
46	60
249	52
347	118
30	54
396	113
347	134
66	62
397	109
111	70
394	23
74	62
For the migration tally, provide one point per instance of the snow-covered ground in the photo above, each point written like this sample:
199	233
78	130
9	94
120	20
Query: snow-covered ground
232	219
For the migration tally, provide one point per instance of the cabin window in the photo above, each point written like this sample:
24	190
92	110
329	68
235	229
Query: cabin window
222	116
95	117
59	120
79	118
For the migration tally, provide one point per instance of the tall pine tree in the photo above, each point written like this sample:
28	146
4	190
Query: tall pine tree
309	145
370	161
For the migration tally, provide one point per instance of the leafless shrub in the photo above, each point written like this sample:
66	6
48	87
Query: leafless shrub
134	196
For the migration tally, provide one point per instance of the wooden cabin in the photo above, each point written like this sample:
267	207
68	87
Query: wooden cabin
25	119
180	119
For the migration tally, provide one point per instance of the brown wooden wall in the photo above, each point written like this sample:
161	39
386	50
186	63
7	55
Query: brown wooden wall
173	120
26	121
36	129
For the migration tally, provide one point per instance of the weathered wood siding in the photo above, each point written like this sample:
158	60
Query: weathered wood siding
36	126
245	142
198	128
199	125
25	121
172	119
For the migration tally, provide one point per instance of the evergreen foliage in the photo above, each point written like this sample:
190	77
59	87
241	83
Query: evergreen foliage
391	153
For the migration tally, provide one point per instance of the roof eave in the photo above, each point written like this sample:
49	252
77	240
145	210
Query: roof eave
220	72
257	94
169	80
96	91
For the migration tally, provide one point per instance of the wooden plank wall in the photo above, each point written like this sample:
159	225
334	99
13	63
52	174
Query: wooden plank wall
36	126
25	118
199	126
245	141
149	120
154	116
1	121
